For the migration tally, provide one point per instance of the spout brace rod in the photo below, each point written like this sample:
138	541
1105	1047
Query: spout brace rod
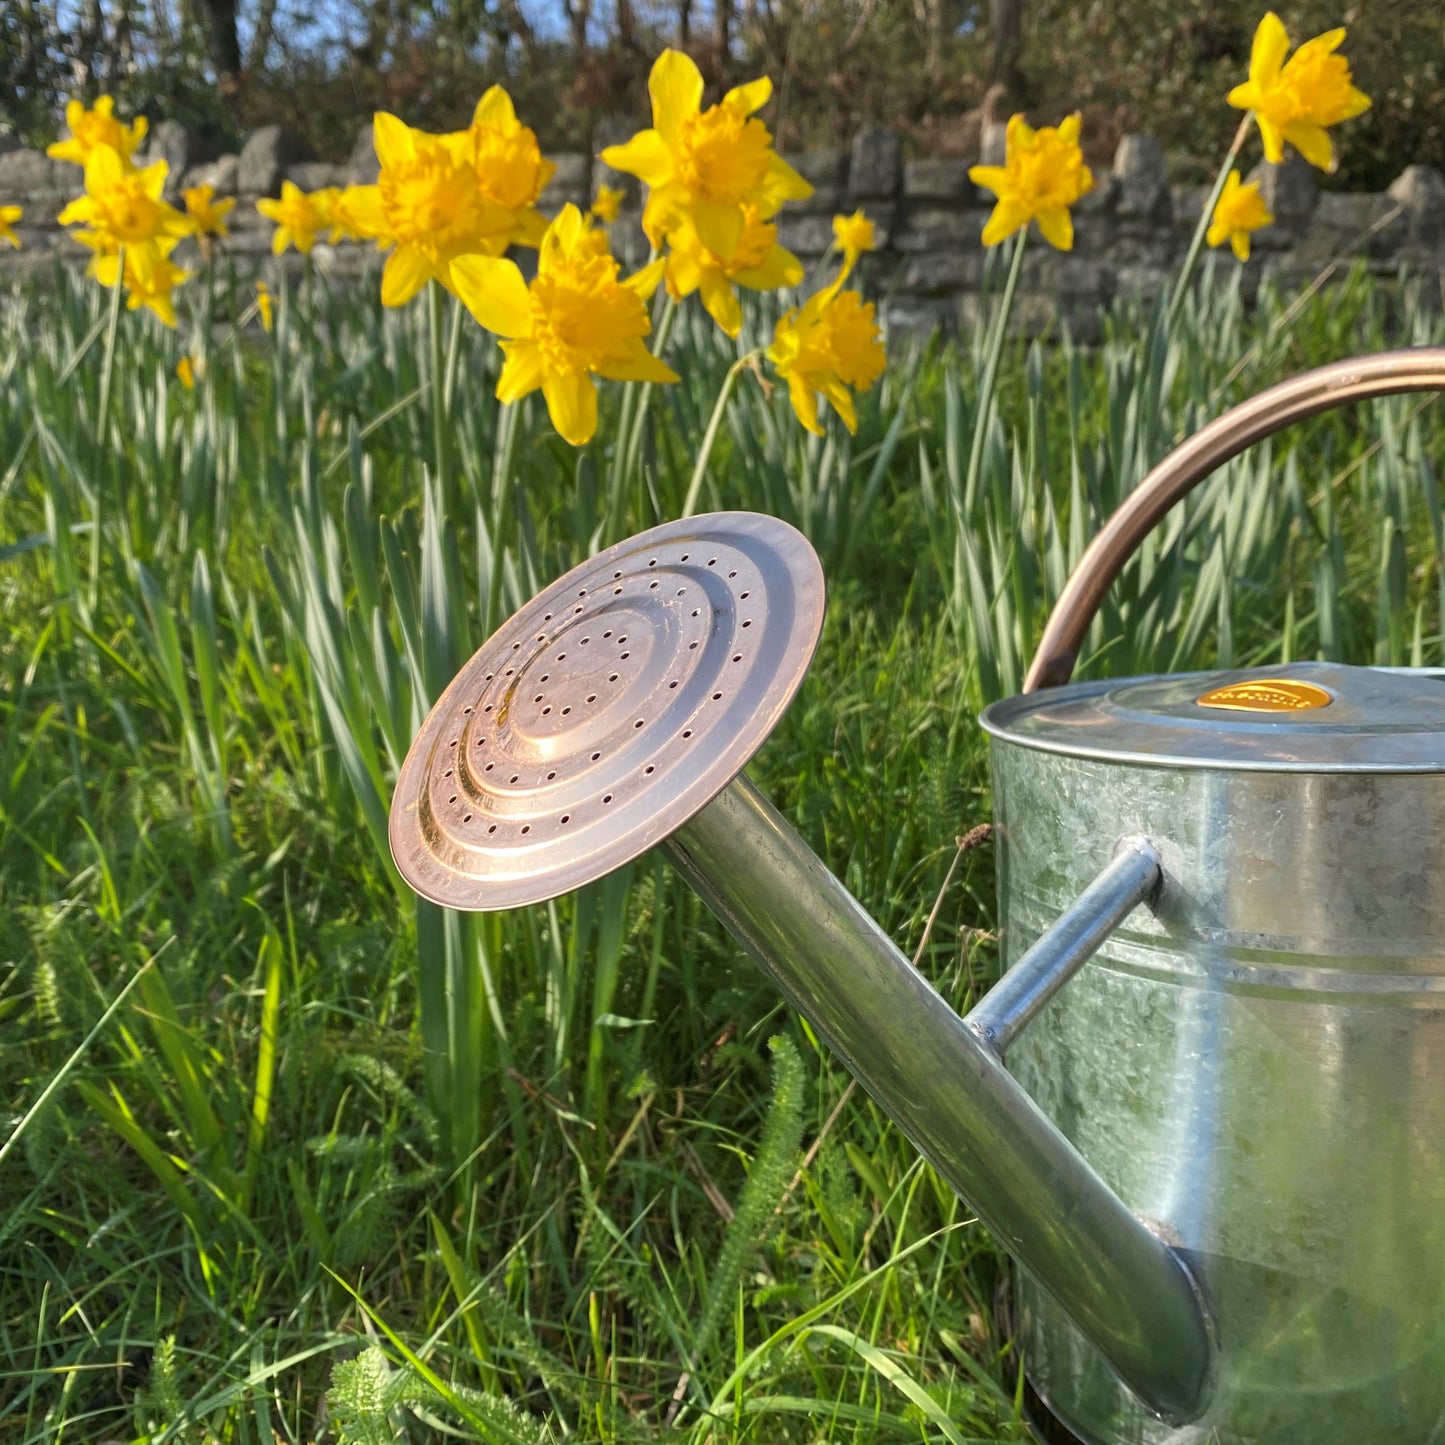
1126	1287
1133	874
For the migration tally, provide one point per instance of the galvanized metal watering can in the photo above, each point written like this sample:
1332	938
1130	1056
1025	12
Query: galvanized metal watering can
1217	1152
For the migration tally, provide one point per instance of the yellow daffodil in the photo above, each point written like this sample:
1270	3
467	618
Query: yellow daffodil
428	204
8	217
1295	100
298	217
150	277
830	344
122	206
1043	174
207	214
607	204
1240	211
264	305
511	169
757	262
575	321
853	235
186	373
704	165
98	127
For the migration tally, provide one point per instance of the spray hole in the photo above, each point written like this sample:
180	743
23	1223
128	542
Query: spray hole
607	797
692	646
616	575
611	677
748	623
526	827
596	756
625	656
541	637
608	633
717	697
488	708
616	591
489	767
684	556
452	799
639	722
577	608
545	676
671	685
452	744
743	596
652	586
489	676
448	773
732	574
514	777
712	561
591	697
510	671
649	769
565	711
585	641
565	818
546	617
687	732
561	657
582	592
653	563
466	817
737	657
621	640
681	591
545	711
538	698
492	828
467	711
550	776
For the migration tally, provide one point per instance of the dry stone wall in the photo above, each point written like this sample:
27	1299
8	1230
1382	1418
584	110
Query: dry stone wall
1131	231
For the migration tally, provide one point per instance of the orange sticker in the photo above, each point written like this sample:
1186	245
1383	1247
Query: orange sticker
1267	694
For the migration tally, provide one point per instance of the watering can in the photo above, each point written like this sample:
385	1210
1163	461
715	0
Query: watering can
1204	1107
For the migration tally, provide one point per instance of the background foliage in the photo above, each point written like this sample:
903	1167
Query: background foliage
1163	66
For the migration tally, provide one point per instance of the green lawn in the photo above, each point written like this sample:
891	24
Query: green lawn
340	1166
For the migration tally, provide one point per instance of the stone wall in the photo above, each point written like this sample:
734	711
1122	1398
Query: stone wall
1131	231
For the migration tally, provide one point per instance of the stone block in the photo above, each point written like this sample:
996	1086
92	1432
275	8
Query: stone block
822	168
805	236
945	179
179	147
876	166
935	273
219	174
1420	192
937	228
30	178
910	316
1142	175
1102	200
362	166
992	142
572	180
1290	189
264	160
315	175
1345	225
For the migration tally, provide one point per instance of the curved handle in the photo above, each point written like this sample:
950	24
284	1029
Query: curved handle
1388	374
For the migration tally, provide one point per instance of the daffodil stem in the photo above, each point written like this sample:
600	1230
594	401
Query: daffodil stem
699	470
112	326
989	379
1196	243
644	397
438	385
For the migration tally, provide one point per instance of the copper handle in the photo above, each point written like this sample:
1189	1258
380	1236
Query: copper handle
1388	374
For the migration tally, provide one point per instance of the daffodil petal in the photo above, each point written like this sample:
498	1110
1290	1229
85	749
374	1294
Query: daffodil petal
524	370
745	99
1272	138
780	268
393	140
805	404
842	400
1239	244
572	405
721	302
676	89
1008	216
1312	142
783	183
991	178
637	364
1320	45
405	273
719	226
495	108
645	156
1057	227
1266	54
492	289
684	274
644	282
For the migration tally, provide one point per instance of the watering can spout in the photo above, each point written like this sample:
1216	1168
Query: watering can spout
614	713
941	1078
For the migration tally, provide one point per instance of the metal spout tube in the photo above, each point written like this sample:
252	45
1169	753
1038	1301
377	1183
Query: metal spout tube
1124	1286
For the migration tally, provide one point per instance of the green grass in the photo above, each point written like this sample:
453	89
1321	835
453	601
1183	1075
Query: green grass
533	1175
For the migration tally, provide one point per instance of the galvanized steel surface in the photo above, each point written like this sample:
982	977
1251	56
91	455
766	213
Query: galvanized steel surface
1257	1064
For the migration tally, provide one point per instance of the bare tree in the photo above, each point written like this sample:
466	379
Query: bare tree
1005	34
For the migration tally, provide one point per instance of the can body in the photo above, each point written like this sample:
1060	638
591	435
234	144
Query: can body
1257	1066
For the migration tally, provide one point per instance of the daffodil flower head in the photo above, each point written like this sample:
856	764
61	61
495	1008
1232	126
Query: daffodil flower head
825	347
607	204
265	306
428	204
207	214
122	206
98	127
298	216
1239	212
577	320
853	235
1296	100
8	216
150	276
704	165
511	169
186	373
1043	174
757	262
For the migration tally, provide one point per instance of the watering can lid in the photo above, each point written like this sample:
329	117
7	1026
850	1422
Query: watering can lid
1311	717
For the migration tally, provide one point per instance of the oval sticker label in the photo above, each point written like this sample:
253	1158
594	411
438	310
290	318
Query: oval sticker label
1267	694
